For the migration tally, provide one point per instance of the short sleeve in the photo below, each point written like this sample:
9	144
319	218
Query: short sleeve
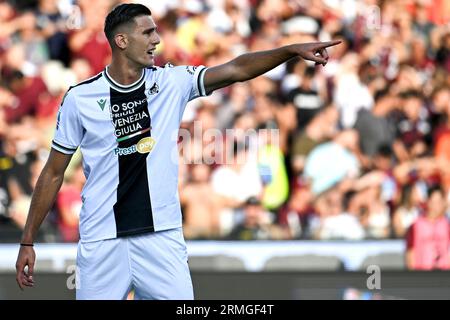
69	131
191	80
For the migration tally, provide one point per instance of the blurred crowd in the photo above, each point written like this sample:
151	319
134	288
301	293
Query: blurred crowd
362	143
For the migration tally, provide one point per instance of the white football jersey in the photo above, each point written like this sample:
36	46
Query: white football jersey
128	139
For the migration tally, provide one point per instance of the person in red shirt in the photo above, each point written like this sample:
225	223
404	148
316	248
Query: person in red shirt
90	42
26	91
68	203
428	239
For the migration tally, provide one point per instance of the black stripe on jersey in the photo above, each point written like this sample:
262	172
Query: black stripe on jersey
133	210
88	80
200	74
62	147
94	78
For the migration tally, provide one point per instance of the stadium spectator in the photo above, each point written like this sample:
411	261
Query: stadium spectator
68	203
376	127
428	239
306	97
200	206
236	181
51	23
334	222
295	216
90	42
256	225
322	126
408	210
324	173
413	128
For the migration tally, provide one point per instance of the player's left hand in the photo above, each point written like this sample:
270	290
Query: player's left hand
315	51
26	258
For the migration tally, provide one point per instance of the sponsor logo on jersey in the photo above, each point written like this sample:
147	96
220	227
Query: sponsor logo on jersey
126	108
101	103
125	151
145	145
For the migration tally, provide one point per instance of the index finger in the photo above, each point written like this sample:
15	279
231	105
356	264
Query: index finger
327	44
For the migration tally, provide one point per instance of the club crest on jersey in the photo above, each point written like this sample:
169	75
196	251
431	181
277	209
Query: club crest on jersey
153	90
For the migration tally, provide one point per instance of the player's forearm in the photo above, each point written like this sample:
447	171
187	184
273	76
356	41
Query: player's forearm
44	195
251	65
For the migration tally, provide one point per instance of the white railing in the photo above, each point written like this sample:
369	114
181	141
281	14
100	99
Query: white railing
57	257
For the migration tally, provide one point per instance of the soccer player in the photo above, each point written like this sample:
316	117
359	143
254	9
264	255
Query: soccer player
124	120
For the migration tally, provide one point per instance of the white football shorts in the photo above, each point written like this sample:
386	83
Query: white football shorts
153	264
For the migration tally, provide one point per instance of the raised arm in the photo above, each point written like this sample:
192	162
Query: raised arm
44	195
251	65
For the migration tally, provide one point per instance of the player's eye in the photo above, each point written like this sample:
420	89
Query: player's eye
149	31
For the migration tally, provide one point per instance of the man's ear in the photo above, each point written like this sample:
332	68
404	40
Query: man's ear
121	40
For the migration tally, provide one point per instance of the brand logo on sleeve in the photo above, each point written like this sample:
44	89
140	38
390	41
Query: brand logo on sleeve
191	69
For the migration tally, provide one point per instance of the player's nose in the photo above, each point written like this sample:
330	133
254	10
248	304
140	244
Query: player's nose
156	39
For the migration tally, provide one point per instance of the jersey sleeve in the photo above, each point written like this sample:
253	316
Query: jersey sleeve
191	80
69	131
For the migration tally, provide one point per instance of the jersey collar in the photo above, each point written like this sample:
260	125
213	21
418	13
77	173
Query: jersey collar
120	87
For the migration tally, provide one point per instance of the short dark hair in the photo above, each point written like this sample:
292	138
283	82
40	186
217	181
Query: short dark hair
385	151
123	14
411	94
436	188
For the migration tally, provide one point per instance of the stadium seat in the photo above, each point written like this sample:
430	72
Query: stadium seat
216	263
307	262
386	261
44	265
69	263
